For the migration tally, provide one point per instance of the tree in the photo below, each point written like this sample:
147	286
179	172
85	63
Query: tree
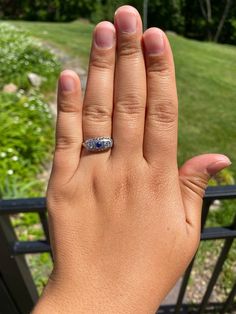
207	14
222	21
145	14
206	9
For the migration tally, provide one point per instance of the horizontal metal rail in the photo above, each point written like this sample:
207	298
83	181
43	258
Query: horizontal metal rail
216	233
30	247
24	205
212	308
220	192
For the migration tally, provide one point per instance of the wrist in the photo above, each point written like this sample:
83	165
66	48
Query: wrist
71	300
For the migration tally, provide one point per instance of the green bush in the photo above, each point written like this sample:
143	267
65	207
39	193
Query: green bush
224	177
20	55
26	130
25	143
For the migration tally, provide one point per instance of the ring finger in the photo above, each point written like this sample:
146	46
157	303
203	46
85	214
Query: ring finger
98	101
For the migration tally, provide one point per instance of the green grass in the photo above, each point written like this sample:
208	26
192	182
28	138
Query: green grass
206	82
73	38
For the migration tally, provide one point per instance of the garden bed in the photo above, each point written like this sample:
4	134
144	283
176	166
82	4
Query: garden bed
27	130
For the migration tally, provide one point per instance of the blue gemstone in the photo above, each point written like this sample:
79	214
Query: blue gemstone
99	144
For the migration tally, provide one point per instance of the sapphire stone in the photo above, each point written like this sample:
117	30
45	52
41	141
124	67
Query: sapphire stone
99	144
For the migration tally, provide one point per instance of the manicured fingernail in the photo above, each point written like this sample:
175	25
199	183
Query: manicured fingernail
104	35
67	83
154	41
126	20
218	165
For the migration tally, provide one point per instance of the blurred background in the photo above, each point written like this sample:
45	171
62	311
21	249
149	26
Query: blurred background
200	19
40	38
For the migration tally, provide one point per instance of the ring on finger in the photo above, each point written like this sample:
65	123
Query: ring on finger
98	144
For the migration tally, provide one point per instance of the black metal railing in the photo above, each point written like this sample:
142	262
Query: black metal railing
18	293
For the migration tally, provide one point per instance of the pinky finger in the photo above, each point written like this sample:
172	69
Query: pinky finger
68	127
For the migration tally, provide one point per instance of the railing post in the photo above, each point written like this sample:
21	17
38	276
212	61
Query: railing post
15	274
228	303
6	303
216	272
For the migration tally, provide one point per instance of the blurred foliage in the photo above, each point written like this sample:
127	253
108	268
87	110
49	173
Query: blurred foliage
26	127
20	55
26	141
193	18
26	121
224	177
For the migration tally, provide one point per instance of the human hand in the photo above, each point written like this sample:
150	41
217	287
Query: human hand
124	223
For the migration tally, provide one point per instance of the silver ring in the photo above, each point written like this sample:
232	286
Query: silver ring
98	144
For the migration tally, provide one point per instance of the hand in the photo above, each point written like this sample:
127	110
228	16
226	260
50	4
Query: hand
124	223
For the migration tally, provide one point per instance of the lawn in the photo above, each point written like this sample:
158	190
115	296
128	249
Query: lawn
73	38
206	80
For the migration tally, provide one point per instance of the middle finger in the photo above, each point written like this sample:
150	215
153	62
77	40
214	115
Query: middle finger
130	84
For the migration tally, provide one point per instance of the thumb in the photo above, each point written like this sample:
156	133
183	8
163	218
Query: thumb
194	176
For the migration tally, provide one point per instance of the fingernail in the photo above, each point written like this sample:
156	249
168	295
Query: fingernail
126	20
67	83
218	165
154	41
104	36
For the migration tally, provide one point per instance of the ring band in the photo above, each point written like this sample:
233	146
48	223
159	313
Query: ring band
98	144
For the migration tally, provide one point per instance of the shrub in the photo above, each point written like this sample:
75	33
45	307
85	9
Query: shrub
224	177
25	143
20	54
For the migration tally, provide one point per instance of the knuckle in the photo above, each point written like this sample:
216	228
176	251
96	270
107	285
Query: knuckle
195	185
68	105
131	104
65	142
54	199
159	65
163	112
128	48
96	112
101	62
